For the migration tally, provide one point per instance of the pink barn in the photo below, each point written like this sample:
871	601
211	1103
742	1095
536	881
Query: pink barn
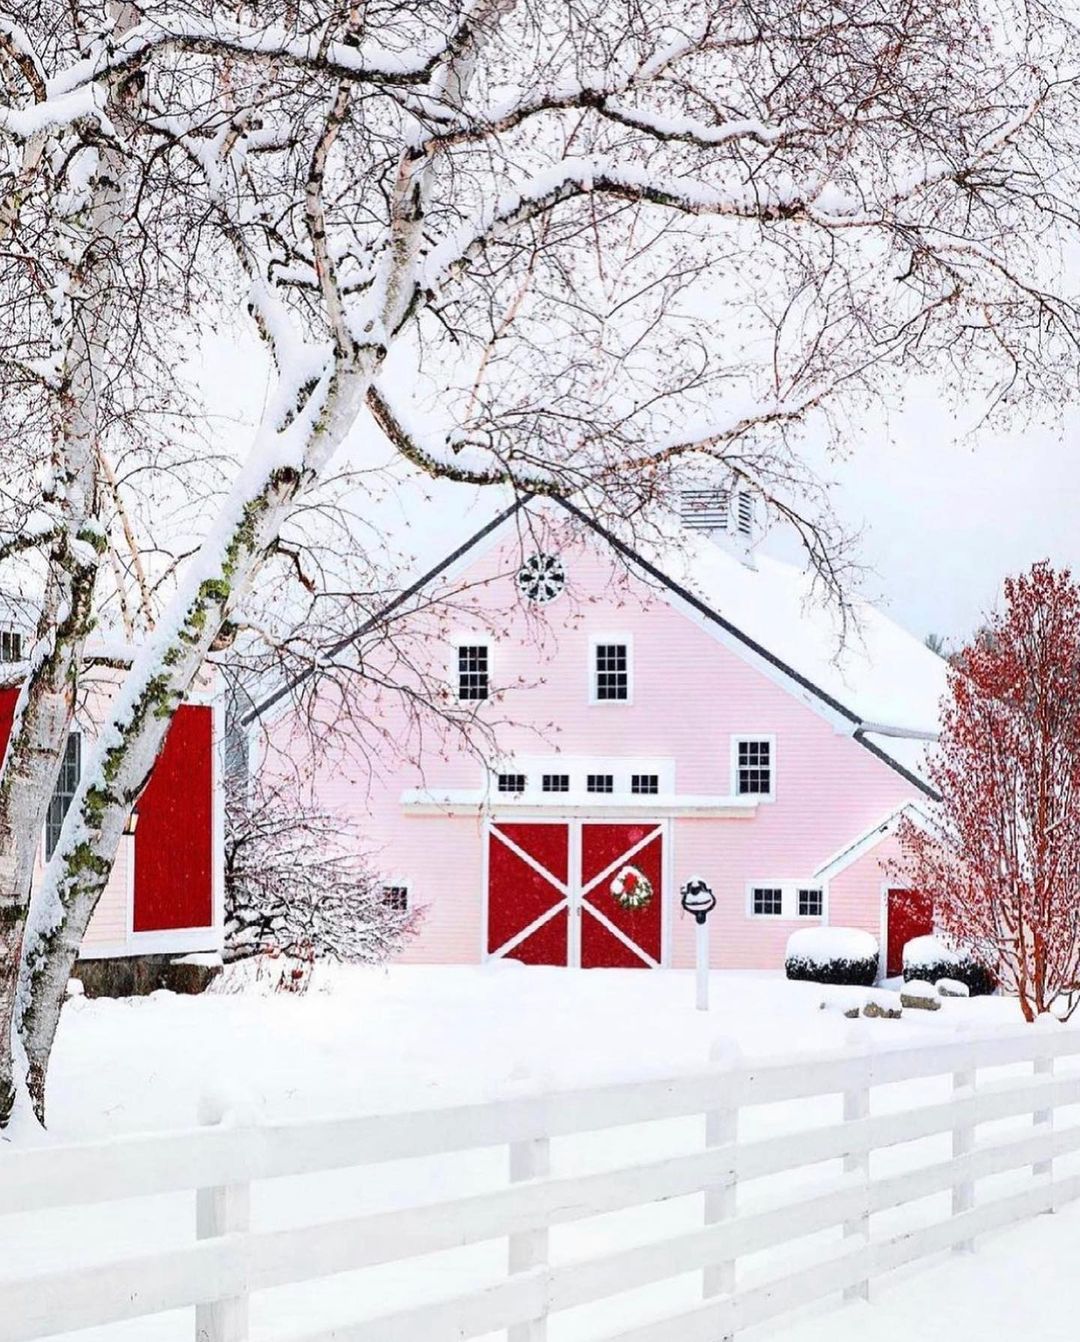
678	710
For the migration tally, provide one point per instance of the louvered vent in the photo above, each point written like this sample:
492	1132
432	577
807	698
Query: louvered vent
705	509
744	513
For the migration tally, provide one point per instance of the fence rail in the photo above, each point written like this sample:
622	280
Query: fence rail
228	1259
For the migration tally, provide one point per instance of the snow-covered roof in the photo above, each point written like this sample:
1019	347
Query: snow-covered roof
881	673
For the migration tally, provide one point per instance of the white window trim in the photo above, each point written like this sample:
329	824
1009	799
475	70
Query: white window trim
594	642
467	640
789	900
734	753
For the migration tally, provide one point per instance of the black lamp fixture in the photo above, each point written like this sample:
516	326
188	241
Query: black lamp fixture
698	898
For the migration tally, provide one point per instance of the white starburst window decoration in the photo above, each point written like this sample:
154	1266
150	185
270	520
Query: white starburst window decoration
541	578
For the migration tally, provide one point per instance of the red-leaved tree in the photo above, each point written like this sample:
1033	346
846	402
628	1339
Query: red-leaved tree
1004	870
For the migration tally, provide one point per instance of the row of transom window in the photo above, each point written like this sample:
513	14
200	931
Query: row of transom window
643	785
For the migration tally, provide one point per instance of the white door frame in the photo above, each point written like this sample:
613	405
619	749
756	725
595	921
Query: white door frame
575	896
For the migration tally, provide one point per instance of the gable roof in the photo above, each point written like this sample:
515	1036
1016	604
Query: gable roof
885	684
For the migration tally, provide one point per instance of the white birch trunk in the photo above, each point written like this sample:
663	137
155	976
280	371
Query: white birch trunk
220	578
46	703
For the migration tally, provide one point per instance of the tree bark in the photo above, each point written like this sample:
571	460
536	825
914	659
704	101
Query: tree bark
46	703
124	754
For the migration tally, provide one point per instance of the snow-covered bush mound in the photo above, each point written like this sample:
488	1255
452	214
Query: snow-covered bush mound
930	959
843	955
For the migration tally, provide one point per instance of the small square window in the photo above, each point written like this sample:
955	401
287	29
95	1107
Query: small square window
754	768
555	783
473	671
396	898
511	782
811	904
768	901
600	783
647	785
612	667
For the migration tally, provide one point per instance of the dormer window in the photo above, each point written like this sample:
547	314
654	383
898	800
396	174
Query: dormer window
755	766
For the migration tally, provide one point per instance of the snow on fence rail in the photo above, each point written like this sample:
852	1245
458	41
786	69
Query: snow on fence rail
228	1260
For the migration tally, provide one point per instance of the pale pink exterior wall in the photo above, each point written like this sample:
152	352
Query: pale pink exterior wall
691	695
849	890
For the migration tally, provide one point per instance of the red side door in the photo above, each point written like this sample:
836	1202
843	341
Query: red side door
611	936
529	892
910	914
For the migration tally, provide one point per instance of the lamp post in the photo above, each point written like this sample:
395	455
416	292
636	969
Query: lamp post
698	899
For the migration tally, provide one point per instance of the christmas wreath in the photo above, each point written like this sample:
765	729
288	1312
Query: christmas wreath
631	889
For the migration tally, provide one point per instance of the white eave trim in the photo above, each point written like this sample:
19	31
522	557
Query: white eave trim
653	806
870	839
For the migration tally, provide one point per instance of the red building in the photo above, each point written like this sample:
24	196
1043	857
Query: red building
164	898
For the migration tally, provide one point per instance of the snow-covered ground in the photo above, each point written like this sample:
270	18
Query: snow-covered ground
377	1040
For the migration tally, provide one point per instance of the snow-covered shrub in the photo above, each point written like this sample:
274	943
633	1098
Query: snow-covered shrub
843	955
930	959
298	887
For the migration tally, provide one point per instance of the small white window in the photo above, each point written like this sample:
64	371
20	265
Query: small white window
644	785
754	758
10	646
600	783
396	898
811	902
555	783
473	671
767	901
512	783
66	784
611	675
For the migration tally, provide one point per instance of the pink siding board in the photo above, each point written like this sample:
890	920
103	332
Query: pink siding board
691	695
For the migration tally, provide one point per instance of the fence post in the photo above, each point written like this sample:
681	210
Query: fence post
857	1106
1043	1120
225	1210
721	1196
528	1160
963	1143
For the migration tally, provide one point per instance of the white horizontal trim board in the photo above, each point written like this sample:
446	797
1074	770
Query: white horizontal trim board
231	1266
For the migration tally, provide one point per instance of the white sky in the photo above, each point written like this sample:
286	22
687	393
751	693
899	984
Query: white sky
945	521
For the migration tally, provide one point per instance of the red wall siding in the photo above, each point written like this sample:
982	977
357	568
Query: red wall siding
174	834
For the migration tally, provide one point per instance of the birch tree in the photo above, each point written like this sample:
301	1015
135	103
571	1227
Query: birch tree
565	248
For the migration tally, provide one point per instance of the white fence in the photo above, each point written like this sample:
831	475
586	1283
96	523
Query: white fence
1002	1120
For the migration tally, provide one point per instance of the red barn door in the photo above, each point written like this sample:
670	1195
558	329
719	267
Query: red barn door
529	893
550	899
613	937
910	914
174	836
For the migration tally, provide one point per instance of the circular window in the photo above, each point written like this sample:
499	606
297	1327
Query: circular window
541	578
